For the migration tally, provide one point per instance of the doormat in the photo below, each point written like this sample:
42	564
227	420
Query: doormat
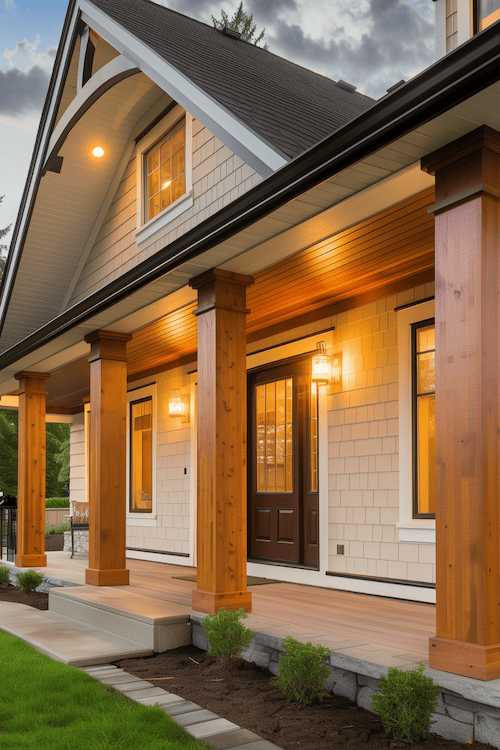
251	580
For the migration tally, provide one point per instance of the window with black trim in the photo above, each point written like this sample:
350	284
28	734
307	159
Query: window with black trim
486	12
165	171
141	456
424	418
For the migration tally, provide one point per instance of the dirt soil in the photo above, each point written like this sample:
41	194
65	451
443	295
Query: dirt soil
9	593
243	694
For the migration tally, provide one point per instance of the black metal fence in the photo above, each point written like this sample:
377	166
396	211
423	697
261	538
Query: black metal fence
8	526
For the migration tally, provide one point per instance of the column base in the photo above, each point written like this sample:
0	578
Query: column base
113	577
30	561
467	659
208	601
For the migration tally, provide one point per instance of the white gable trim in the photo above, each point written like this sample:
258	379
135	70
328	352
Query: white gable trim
240	139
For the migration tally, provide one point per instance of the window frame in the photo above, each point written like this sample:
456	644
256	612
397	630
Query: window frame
141	517
421	529
476	17
146	228
414	376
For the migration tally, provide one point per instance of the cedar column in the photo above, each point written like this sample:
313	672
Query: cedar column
467	213
222	442
107	460
31	471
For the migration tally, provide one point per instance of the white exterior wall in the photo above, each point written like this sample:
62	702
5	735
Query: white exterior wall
219	177
77	459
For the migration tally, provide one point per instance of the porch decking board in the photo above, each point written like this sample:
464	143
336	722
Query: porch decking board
287	608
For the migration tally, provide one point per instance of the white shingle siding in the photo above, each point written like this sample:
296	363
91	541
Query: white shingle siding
77	460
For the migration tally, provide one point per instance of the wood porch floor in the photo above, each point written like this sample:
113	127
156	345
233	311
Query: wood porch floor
385	631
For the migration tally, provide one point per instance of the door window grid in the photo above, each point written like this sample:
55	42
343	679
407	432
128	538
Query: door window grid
141	456
274	436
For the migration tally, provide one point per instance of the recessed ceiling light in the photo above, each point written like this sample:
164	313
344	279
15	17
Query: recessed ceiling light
98	151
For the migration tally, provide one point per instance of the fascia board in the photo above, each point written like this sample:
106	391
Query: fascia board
37	162
242	140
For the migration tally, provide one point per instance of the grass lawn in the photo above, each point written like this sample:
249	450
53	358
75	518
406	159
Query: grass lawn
46	704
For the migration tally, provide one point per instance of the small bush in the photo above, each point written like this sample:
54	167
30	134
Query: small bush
29	580
302	672
57	502
227	635
4	574
57	528
405	703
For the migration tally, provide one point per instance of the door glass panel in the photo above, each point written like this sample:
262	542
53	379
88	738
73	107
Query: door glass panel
313	431
274	436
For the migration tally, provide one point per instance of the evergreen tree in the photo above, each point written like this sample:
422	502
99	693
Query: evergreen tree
243	23
3	248
8	451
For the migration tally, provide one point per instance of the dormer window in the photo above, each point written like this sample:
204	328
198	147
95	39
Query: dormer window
165	170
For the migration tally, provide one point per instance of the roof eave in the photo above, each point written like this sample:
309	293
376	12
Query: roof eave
463	73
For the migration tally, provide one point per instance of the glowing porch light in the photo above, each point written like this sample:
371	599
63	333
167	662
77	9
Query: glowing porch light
321	365
178	405
98	152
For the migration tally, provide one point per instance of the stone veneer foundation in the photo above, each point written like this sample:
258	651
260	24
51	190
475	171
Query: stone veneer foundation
466	710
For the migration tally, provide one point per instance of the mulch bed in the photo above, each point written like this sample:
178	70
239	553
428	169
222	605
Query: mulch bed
10	593
242	693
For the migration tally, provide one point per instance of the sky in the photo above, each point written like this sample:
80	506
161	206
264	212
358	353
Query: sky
372	44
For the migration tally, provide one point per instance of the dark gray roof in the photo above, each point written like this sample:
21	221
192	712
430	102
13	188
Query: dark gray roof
288	106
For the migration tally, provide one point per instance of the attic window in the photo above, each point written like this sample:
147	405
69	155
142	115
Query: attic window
165	171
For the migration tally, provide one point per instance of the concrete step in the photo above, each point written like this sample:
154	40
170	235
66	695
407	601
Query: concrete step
65	639
154	623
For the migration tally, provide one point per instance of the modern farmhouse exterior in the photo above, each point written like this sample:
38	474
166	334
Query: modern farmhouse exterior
201	220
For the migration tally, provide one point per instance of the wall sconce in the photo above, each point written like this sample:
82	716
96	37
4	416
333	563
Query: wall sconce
337	369
178	405
321	365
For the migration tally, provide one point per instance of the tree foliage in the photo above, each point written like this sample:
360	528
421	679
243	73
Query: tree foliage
243	23
57	452
3	248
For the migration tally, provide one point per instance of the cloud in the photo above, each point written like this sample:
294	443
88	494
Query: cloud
10	5
25	56
370	46
22	92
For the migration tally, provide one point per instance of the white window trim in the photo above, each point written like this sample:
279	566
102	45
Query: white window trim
420	530
146	229
142	519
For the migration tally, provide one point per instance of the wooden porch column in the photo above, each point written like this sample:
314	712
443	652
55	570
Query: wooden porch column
222	442
31	471
107	474
467	213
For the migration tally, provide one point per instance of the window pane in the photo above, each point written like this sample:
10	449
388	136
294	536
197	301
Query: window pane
153	161
141	457
166	152
165	167
489	12
426	338
313	430
178	188
273	415
178	163
178	139
426	373
426	455
154	183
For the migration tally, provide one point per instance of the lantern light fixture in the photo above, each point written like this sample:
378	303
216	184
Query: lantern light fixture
178	405
321	365
98	152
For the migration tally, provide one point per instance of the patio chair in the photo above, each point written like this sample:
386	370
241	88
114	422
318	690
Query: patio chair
79	520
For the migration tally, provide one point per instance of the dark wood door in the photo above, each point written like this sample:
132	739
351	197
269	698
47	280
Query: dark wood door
282	471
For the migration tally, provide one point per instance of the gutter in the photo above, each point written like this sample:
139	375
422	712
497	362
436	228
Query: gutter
467	70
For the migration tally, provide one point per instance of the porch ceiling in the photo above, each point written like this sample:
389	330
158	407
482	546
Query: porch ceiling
358	263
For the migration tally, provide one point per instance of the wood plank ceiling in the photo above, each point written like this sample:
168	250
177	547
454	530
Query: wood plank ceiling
361	262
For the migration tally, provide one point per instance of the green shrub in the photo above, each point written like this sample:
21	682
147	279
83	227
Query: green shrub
4	574
302	672
228	637
29	580
57	502
57	528
405	703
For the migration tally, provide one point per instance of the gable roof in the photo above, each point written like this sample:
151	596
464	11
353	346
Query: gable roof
290	107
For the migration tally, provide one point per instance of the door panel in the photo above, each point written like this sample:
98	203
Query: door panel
282	497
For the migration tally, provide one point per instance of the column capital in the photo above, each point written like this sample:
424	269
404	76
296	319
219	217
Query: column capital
108	345
33	382
221	289
465	169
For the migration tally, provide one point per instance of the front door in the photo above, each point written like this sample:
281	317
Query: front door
283	465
